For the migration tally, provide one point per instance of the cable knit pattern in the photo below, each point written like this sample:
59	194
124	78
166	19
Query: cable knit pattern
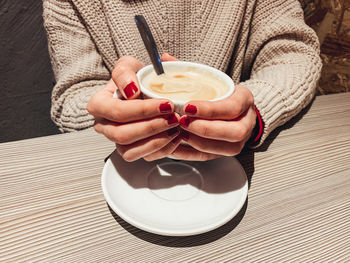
264	45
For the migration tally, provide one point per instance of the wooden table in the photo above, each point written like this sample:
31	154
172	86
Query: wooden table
298	208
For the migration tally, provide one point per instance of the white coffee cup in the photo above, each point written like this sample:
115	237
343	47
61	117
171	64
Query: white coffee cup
185	66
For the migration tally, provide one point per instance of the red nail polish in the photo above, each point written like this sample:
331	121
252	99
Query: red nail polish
165	107
185	135
185	121
130	89
191	109
172	131
171	118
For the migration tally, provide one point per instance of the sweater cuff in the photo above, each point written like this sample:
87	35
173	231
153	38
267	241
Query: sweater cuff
269	104
68	111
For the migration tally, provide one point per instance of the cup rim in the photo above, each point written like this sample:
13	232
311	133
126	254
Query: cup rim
145	70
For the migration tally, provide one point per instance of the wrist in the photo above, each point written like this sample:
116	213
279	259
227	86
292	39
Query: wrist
258	129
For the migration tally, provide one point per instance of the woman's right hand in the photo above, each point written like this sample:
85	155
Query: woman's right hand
139	128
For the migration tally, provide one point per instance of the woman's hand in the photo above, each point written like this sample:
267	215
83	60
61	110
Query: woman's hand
140	128
217	128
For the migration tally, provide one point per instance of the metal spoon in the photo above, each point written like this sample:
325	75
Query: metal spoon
149	42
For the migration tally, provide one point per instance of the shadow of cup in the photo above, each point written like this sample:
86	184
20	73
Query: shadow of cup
214	177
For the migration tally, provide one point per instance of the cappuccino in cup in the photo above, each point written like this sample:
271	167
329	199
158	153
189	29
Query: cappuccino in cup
185	81
185	85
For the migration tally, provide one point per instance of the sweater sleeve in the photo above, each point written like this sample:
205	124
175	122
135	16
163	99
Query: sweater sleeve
282	62
78	67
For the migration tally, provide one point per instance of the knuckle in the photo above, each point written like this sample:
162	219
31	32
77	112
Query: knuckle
117	115
120	61
148	158
203	156
236	149
118	138
231	108
209	110
126	58
155	156
222	133
115	73
144	109
201	145
248	95
152	128
240	135
128	157
205	130
241	132
212	112
97	127
157	144
121	69
238	108
92	104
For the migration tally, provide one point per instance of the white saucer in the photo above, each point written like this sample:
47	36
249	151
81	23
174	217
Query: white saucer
175	198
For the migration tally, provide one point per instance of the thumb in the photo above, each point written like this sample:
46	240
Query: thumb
168	57
124	76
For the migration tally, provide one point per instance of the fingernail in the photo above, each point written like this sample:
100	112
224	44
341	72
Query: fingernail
185	135
184	121
172	119
130	89
172	131
191	109
165	107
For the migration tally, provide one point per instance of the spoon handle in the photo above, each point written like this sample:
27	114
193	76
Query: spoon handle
149	42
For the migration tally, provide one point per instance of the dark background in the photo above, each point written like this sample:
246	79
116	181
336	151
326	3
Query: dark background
26	78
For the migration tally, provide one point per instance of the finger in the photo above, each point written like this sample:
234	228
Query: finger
168	57
226	109
110	87
217	147
131	132
231	131
103	105
165	151
124	76
190	154
139	149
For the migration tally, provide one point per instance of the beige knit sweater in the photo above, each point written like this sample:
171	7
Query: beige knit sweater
263	44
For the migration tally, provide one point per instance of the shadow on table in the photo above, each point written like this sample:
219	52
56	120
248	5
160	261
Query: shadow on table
187	241
264	147
246	157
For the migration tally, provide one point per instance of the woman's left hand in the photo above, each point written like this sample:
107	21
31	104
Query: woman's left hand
217	128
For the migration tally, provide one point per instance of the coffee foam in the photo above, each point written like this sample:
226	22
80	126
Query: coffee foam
189	84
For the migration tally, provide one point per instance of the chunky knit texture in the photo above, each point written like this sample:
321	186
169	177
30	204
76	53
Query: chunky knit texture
263	44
